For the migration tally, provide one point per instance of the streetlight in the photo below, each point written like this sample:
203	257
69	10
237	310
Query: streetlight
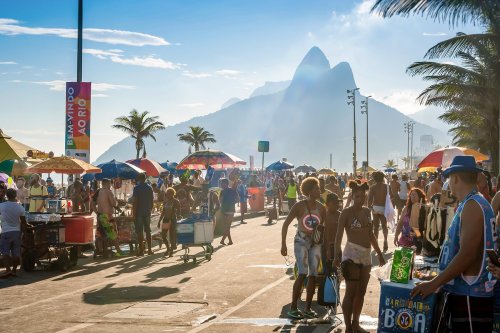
351	99
364	110
408	126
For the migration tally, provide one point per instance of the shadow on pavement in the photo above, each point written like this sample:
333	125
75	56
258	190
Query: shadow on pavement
110	295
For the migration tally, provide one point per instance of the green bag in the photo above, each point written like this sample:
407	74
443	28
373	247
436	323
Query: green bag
402	265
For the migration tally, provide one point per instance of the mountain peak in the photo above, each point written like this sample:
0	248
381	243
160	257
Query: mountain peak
312	66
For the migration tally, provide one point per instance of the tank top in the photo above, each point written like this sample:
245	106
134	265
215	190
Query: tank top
291	192
403	190
482	285
307	222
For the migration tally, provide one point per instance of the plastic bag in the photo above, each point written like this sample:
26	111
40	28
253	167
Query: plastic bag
382	273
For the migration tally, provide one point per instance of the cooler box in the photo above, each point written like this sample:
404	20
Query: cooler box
399	313
185	231
284	207
79	229
256	198
203	232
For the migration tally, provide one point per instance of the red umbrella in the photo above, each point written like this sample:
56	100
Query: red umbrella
205	158
151	167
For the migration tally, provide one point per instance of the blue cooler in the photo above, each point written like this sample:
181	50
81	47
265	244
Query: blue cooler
399	313
185	231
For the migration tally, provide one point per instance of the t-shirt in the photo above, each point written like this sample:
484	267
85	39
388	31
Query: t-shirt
36	204
144	199
228	198
9	215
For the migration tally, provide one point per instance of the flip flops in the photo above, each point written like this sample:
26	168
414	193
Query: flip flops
295	314
311	314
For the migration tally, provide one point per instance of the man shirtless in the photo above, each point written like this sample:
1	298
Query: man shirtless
104	204
331	224
376	201
333	186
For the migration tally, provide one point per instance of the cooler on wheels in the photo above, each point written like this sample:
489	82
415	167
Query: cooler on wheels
256	198
400	313
196	230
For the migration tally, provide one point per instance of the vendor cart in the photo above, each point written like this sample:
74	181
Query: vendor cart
196	230
44	242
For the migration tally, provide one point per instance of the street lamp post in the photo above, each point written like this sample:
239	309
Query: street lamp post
364	110
408	126
351	99
80	42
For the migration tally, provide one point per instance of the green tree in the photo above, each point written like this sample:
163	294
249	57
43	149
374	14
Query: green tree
469	91
390	164
197	138
139	126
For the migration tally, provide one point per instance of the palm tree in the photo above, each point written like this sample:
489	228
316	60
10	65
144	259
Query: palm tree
197	138
406	161
390	164
139	126
470	94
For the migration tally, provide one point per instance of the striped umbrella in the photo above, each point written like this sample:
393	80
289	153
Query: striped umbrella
13	167
64	165
152	168
214	158
442	158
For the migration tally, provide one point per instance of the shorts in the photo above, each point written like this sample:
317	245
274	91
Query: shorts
142	224
468	312
10	243
106	227
307	255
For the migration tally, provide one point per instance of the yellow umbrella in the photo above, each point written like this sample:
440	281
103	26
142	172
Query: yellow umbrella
65	165
11	149
370	169
327	171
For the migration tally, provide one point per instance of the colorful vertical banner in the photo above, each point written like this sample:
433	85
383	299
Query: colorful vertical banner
78	120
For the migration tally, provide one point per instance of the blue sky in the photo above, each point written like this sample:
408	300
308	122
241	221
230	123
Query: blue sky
179	59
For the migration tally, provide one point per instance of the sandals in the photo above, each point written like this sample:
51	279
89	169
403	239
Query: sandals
311	314
295	314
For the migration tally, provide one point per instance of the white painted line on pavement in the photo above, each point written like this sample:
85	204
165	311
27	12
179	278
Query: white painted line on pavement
242	304
75	328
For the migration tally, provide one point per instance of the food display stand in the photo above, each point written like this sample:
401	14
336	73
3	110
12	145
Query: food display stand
44	241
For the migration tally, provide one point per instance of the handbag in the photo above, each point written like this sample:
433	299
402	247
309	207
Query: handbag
328	291
317	234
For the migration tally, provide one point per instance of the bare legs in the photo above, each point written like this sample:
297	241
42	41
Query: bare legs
377	220
227	220
353	301
297	291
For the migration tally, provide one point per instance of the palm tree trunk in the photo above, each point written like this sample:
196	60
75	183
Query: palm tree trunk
196	146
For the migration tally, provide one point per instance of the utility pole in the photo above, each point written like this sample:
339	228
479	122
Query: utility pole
351	99
80	42
364	110
408	126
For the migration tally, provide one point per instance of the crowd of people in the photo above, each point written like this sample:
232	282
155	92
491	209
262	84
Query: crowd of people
466	278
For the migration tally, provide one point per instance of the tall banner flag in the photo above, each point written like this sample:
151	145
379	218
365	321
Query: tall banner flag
78	120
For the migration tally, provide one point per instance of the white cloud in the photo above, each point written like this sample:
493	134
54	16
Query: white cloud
227	72
60	85
99	95
191	105
434	34
117	57
12	27
8	63
402	100
16	81
196	75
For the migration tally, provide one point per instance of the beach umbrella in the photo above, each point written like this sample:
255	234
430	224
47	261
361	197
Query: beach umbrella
64	165
279	166
204	158
370	169
12	149
170	166
442	158
304	169
152	168
390	170
327	171
116	169
13	167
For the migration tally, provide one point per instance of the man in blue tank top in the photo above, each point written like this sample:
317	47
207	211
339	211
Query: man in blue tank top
467	285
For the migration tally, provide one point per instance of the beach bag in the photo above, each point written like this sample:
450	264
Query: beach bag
328	291
389	212
402	265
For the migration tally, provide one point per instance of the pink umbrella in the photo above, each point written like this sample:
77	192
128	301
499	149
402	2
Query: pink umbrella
151	167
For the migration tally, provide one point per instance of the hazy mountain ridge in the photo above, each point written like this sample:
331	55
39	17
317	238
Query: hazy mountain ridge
304	123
